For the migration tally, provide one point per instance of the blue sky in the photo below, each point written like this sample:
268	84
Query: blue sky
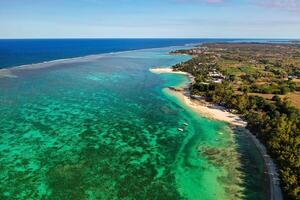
149	18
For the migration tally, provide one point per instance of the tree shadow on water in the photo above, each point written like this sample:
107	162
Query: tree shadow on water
254	179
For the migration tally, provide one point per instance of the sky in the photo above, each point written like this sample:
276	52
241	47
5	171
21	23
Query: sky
149	18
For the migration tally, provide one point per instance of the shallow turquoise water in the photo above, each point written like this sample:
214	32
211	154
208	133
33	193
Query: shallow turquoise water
106	129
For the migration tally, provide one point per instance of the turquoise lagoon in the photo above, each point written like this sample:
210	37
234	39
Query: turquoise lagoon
104	128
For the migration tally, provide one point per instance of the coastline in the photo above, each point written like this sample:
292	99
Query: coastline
219	113
199	106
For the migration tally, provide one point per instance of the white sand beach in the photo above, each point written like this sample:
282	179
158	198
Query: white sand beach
216	112
166	70
208	110
199	106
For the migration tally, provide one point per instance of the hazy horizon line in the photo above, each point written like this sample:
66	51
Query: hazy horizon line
257	38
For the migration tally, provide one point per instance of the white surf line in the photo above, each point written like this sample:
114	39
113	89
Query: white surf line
85	58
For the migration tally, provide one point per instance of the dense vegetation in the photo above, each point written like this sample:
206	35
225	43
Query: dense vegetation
251	69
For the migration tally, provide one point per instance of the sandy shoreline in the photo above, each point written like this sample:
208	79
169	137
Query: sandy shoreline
208	110
166	70
201	107
219	113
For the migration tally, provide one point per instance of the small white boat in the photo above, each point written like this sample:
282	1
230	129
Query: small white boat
186	124
180	129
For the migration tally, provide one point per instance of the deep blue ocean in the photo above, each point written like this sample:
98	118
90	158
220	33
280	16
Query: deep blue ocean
106	127
15	52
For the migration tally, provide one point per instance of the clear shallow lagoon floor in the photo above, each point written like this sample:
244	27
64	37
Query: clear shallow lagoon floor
106	129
